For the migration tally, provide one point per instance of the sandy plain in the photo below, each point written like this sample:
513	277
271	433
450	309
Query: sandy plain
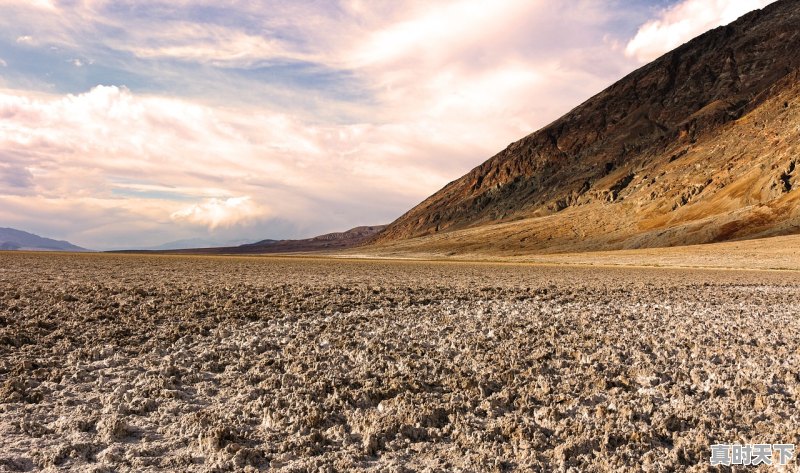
175	363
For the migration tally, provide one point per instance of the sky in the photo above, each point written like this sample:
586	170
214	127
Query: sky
132	123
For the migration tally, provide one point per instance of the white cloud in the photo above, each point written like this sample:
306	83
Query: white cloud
216	212
173	36
684	21
222	46
440	30
46	5
3	63
179	164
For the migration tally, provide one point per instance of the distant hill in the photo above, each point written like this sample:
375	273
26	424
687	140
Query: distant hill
329	241
11	239
699	146
190	243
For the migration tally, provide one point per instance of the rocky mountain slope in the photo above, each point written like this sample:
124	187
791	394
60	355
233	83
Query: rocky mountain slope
700	145
12	239
329	241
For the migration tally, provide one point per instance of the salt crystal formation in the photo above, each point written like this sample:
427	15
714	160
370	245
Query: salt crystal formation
129	363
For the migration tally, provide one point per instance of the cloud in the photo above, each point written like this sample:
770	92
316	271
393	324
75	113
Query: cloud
46	5
179	165
220	212
221	46
440	30
3	63
240	34
14	179
684	21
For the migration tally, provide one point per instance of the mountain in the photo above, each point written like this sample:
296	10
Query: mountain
329	241
11	239
701	145
195	243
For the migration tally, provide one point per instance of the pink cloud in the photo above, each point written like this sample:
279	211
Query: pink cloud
220	212
146	156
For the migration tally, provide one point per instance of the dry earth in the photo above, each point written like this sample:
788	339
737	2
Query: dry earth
158	363
779	253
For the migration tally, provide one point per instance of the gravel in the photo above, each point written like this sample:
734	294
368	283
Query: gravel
145	363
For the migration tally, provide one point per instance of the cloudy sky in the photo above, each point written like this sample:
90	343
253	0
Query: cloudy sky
134	122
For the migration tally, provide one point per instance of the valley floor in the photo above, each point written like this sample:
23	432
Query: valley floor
773	253
176	363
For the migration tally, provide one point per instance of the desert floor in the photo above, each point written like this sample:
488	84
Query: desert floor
775	253
160	363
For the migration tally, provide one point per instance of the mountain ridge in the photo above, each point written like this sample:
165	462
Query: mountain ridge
637	142
326	242
12	239
189	243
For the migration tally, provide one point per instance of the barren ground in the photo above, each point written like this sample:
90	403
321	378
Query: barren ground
155	363
475	244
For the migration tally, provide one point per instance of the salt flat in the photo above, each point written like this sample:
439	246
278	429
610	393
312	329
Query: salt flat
173	363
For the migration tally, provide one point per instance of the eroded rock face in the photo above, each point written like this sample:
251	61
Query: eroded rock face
247	364
662	138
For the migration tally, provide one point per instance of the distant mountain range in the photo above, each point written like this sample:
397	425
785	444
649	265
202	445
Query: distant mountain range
12	239
327	242
195	243
699	146
18	240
